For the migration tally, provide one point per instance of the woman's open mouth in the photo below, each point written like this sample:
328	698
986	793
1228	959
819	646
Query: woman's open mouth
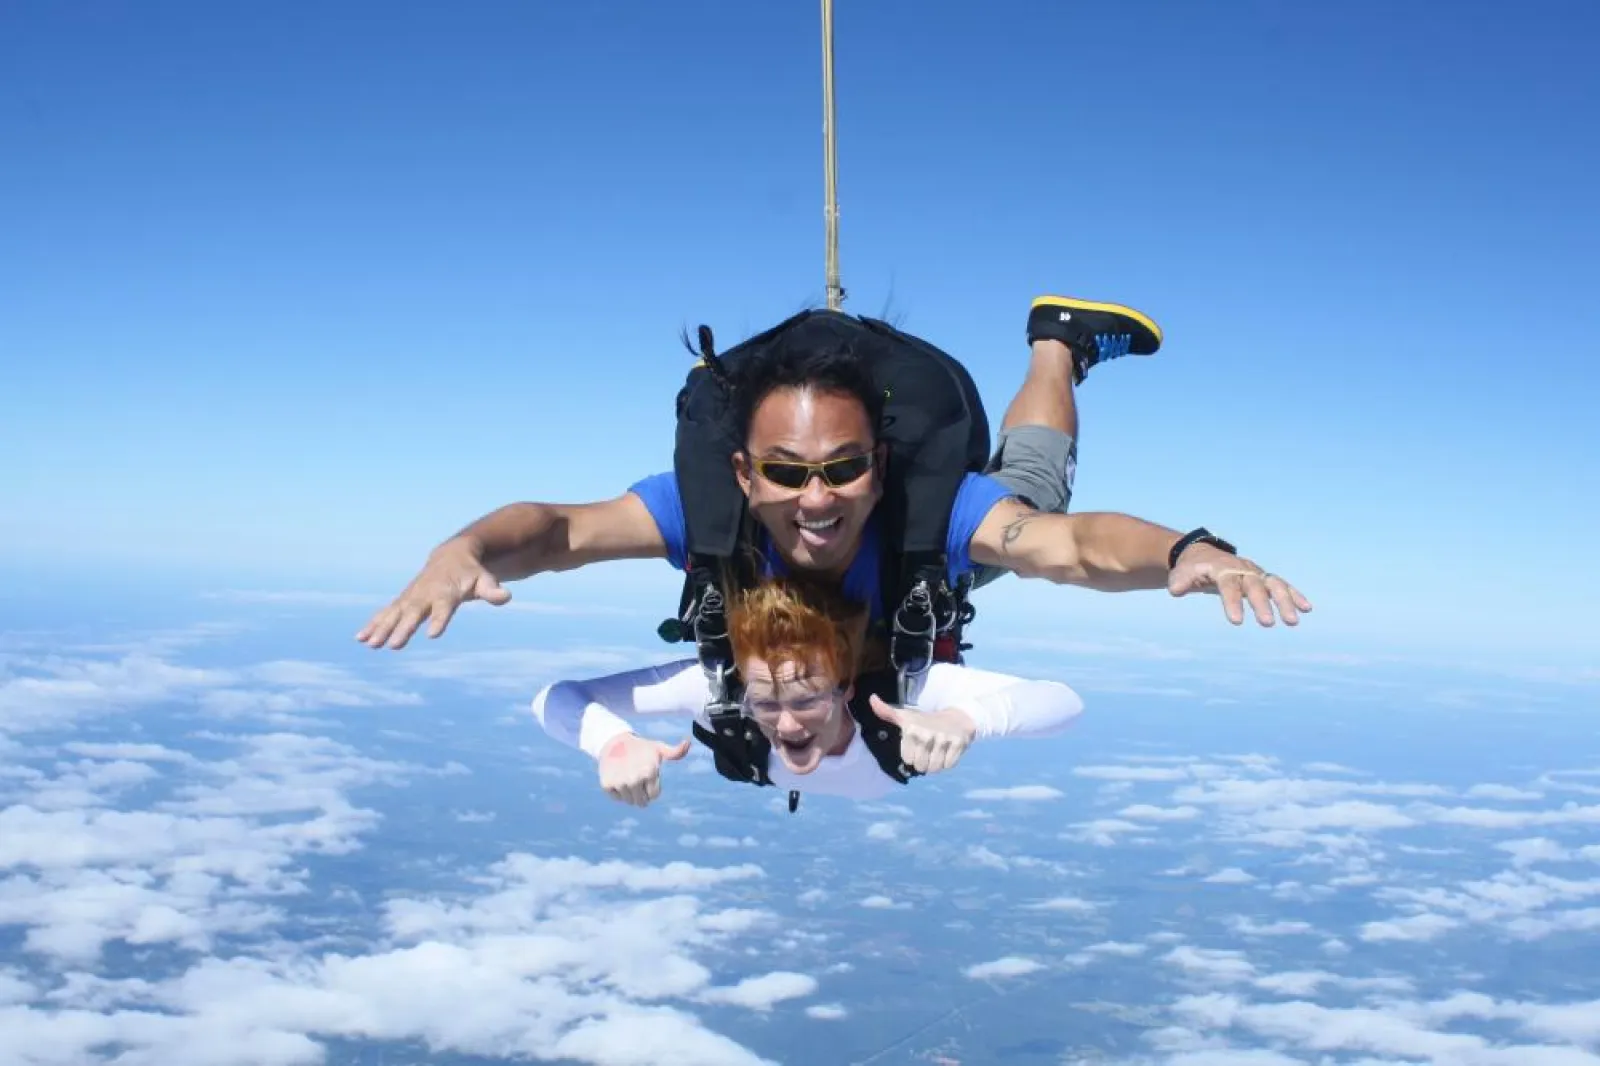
796	745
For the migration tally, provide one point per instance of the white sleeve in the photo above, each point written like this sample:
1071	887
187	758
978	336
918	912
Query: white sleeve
589	714
1000	705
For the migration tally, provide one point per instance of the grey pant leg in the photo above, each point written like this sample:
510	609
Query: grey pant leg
1037	463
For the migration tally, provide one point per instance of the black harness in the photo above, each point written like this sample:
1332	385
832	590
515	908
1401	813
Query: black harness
743	753
937	432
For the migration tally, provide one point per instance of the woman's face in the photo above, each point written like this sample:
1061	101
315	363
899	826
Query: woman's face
801	711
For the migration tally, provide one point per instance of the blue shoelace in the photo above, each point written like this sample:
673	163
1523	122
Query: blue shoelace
1113	345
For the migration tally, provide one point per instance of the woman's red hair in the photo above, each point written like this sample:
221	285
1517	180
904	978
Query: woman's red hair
784	620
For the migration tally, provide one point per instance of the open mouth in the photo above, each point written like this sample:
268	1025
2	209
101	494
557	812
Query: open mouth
817	529
795	745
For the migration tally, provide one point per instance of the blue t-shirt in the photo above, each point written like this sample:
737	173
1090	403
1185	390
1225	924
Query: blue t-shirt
974	500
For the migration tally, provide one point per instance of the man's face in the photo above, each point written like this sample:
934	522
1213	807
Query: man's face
816	526
801	711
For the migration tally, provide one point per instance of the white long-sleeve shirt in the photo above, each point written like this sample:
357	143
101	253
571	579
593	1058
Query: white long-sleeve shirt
589	714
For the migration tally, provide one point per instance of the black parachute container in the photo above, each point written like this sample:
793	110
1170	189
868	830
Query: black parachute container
936	432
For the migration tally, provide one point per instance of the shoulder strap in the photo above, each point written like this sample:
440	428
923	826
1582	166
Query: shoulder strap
713	505
740	753
939	433
739	750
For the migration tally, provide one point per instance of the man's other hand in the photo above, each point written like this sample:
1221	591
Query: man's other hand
1204	568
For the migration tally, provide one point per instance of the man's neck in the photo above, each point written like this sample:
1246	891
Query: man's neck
836	572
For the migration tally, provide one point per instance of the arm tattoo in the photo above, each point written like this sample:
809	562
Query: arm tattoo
1013	529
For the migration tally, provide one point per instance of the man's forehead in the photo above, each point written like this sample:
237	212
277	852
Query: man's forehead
799	421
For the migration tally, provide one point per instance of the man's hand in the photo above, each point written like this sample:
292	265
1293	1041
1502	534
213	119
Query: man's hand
453	575
630	768
929	742
509	544
1203	568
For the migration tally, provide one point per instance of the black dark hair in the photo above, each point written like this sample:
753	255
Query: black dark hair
834	369
790	362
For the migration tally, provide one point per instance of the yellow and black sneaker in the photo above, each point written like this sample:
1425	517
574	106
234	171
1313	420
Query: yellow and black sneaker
1096	332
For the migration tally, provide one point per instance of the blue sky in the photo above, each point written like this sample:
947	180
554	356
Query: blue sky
286	298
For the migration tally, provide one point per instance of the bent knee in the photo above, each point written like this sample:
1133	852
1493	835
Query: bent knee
1038	463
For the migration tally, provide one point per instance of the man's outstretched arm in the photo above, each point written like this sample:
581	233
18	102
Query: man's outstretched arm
1113	552
509	544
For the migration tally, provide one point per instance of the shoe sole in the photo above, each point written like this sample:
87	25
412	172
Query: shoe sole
1091	305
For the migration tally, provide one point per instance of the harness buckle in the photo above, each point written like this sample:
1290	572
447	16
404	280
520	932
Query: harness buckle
911	642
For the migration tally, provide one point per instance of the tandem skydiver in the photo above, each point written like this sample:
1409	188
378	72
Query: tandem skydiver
809	435
819	708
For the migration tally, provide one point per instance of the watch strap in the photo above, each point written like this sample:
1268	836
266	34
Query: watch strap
1202	535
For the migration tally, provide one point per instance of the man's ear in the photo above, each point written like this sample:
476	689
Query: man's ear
742	471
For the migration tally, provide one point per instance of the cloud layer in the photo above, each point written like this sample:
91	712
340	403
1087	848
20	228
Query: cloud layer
223	859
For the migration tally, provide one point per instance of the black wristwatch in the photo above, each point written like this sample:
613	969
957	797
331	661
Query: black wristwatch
1198	536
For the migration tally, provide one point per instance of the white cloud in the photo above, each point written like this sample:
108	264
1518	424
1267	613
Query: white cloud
1132	773
1211	964
1416	927
534	957
607	962
548	963
205	863
1534	850
1064	905
1308	982
125	751
1406	1030
1502	792
1518	900
1106	949
1349	814
883	903
1151	813
762	993
520	671
827	1012
1008	966
982	856
1103	832
1016	792
55	692
1231	875
1250	927
1486	818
